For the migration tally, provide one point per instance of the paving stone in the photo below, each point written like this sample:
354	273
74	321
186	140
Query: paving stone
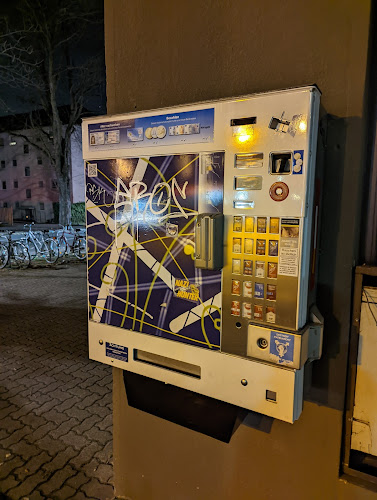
15	437
9	410
104	473
56	416
72	439
64	428
63	493
35	421
69	403
34	464
42	431
87	424
94	489
78	480
26	408
95	434
48	405
8	466
24	449
80	496
52	446
9	482
10	424
56	480
27	486
106	422
35	496
97	410
60	460
77	413
105	455
85	455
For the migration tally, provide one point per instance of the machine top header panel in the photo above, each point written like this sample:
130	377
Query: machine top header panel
267	140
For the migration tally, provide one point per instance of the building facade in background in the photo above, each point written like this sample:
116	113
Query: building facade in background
28	182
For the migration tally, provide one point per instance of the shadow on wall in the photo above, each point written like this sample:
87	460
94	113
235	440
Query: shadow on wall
338	238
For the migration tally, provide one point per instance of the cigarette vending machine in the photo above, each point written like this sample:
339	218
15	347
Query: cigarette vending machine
201	246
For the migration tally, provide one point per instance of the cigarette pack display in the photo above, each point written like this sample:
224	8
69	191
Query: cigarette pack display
273	246
236	287
259	269
237	224
261	247
249	224
249	244
248	267
272	270
261	224
247	289
271	292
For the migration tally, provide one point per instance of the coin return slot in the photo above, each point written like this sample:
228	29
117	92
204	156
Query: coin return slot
281	163
168	363
271	396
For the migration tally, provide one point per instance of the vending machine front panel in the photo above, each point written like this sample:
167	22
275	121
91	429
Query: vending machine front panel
199	229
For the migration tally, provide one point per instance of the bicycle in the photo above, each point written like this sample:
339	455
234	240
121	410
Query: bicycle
78	245
13	252
38	246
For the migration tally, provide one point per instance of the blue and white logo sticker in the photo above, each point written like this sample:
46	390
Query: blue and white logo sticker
282	347
298	161
116	351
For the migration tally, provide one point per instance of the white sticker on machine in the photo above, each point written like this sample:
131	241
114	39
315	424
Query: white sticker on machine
289	247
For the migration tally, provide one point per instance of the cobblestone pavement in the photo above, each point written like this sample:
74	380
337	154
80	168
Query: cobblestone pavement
55	404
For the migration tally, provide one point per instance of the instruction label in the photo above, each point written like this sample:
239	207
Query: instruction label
189	127
117	351
289	247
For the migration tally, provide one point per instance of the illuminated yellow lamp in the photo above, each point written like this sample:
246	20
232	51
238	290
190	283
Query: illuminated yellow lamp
302	126
243	133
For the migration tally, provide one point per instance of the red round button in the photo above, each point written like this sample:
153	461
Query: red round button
279	191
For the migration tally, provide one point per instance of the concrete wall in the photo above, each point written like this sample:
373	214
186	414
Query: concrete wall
164	53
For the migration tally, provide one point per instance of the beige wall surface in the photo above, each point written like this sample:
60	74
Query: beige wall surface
166	53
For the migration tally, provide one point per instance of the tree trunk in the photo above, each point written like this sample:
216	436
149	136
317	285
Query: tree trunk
64	200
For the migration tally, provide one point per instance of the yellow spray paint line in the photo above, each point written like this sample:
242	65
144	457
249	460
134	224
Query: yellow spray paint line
186	278
179	171
116	264
158	328
102	253
158	270
106	177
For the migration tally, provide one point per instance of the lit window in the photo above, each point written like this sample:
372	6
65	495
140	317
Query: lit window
15	184
26	149
12	141
27	171
28	193
41	206
41	184
15	163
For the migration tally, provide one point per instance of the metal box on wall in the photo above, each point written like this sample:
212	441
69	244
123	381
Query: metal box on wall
161	302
